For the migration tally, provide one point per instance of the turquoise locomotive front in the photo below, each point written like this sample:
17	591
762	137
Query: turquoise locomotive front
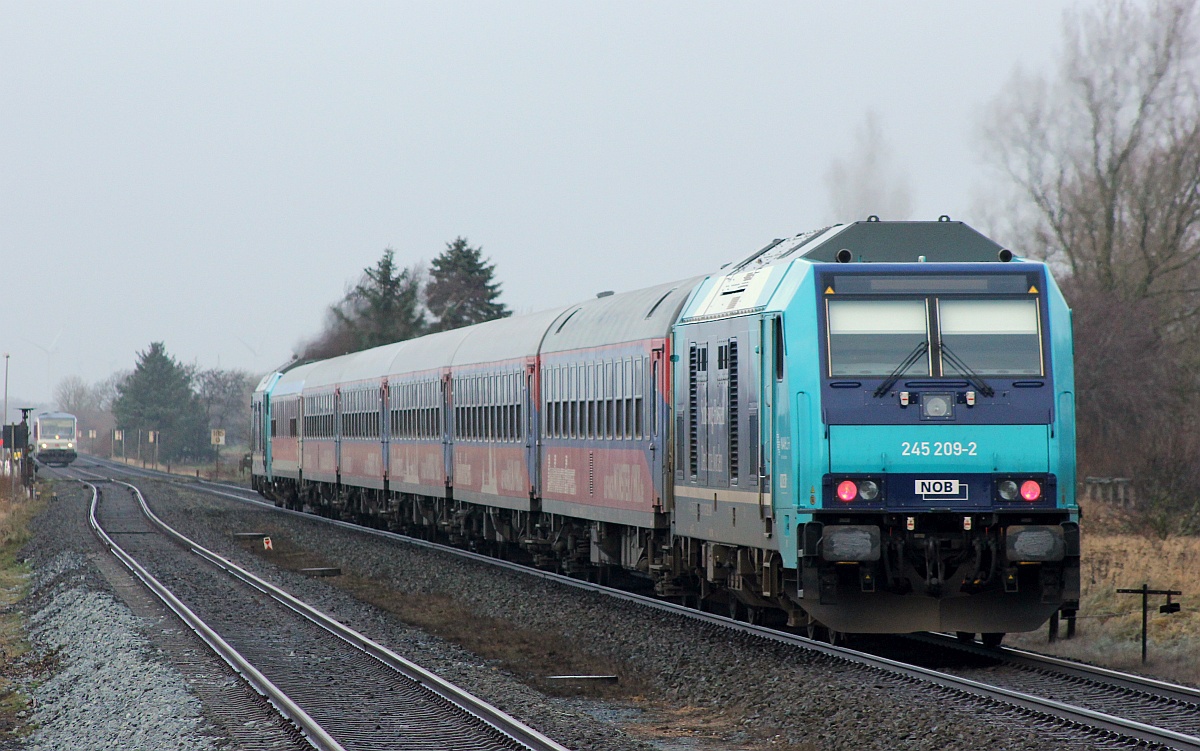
914	408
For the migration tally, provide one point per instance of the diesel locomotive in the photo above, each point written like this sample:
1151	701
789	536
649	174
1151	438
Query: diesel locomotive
868	427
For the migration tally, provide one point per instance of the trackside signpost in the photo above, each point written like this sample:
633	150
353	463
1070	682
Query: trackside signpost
1145	592
218	440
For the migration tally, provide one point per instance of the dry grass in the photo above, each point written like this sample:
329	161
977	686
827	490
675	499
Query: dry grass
1110	624
230	469
15	512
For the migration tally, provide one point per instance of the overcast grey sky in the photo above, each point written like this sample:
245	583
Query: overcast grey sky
213	174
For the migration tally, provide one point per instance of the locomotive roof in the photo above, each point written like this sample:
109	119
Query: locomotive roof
875	241
615	319
56	414
942	241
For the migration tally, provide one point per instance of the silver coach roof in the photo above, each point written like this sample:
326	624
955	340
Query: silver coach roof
506	338
630	316
427	352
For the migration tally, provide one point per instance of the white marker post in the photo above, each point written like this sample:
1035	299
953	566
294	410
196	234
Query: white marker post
218	440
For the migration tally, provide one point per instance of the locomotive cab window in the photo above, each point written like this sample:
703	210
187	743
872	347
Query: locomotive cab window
991	337
940	333
874	337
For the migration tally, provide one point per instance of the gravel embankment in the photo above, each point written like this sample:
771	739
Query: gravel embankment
794	699
108	686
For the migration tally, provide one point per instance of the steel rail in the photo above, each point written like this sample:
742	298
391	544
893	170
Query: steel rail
1118	726
465	701
1036	661
312	731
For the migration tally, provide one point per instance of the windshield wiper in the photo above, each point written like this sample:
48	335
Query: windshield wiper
976	380
913	356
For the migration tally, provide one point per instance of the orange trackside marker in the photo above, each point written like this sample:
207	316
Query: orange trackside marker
267	544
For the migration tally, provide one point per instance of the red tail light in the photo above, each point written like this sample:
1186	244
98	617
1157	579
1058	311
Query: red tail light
1030	490
847	490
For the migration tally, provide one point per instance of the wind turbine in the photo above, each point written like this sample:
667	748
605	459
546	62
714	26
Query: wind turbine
49	354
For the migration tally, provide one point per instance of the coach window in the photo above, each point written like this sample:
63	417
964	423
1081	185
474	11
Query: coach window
490	412
589	416
561	405
612	391
479	406
486	416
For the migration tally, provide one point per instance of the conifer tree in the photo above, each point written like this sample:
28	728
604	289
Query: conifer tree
158	396
461	290
384	307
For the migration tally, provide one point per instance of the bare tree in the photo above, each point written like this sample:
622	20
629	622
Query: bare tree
1107	153
74	395
1105	157
105	392
225	397
868	181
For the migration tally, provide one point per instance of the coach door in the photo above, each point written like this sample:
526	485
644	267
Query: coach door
384	433
652	394
337	431
527	419
448	428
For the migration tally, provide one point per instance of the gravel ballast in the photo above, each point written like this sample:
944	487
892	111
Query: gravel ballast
756	694
775	694
109	687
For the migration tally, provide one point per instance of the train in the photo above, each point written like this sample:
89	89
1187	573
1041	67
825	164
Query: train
866	428
55	438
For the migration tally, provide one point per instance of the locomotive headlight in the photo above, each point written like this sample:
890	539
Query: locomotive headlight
868	490
937	406
45	445
1031	490
70	445
847	491
1007	490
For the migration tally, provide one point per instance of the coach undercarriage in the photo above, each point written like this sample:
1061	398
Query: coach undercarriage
747	581
939	577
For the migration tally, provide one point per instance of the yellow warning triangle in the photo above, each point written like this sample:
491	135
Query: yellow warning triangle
1033	290
829	290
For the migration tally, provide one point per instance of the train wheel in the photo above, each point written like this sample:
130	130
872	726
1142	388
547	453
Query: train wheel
836	638
966	637
815	631
735	608
993	639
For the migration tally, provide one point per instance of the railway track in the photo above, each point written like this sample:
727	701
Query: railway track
1116	709
339	688
1124	692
